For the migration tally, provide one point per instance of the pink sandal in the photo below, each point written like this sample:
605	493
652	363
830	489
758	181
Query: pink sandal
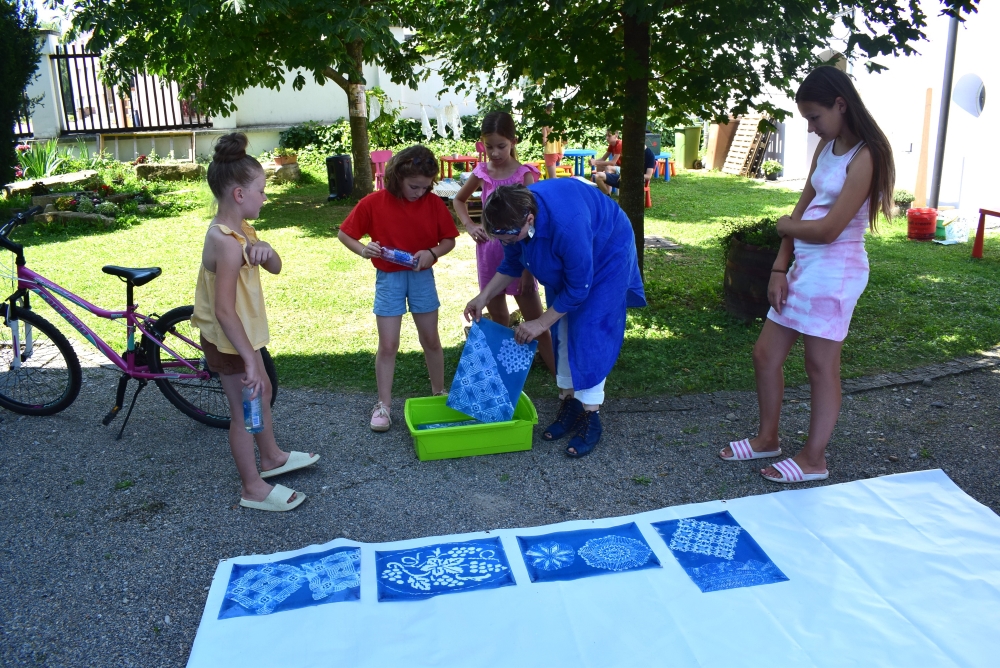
743	452
791	472
380	417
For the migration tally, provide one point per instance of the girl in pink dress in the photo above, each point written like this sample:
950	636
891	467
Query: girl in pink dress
502	169
850	183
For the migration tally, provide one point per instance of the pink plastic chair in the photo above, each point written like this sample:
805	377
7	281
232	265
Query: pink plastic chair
481	149
379	159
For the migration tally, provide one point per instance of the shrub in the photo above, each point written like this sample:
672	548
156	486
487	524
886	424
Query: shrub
66	204
40	160
109	209
762	233
771	167
903	198
85	205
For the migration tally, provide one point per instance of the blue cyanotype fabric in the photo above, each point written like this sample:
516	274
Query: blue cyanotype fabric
568	555
308	579
491	373
446	568
717	553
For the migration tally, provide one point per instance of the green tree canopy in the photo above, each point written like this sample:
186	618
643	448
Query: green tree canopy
217	49
613	62
18	62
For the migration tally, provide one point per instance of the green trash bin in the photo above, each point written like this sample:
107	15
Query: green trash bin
687	141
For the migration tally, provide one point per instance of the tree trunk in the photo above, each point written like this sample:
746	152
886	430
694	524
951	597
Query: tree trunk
632	197
358	114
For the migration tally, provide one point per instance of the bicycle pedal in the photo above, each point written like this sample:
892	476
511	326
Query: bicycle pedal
112	414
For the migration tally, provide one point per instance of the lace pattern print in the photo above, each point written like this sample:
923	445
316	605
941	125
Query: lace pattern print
442	569
717	553
615	553
261	589
570	555
550	555
491	373
705	538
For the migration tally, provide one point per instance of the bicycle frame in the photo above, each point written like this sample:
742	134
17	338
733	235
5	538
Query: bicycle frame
31	281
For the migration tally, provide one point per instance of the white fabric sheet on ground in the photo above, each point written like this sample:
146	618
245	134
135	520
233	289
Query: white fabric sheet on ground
901	570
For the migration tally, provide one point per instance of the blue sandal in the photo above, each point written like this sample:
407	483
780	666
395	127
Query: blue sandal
588	434
569	413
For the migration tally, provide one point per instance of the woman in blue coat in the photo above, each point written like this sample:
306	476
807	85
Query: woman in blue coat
579	244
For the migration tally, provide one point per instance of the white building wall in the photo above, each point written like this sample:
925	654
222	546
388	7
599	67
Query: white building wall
896	99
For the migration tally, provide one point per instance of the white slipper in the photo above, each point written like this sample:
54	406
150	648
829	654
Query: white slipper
277	500
743	452
296	460
790	472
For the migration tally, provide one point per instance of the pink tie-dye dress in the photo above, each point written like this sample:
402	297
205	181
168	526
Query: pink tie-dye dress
826	280
489	255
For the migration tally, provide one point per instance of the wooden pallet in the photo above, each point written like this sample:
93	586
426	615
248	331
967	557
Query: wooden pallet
748	147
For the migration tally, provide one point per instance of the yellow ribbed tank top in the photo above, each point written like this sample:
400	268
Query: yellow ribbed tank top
249	300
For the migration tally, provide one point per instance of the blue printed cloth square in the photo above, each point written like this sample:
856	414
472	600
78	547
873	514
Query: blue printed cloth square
491	373
569	555
446	568
308	579
717	553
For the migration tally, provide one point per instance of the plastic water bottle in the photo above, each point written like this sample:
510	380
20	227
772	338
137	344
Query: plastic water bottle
397	256
253	416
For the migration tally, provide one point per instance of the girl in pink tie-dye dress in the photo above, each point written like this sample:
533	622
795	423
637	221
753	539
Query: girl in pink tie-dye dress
850	183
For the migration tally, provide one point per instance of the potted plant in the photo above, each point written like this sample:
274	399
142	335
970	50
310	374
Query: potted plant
749	249
903	200
771	169
285	156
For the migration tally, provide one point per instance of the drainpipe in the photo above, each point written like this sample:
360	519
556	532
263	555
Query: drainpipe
942	134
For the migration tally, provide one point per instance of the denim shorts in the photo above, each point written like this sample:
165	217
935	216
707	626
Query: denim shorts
394	289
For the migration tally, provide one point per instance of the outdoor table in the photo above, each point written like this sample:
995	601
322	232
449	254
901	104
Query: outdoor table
579	156
446	189
471	160
664	159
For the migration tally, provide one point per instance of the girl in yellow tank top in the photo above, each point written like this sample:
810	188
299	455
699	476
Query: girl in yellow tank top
229	311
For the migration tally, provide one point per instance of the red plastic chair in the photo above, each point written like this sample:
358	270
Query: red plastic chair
977	247
379	159
481	150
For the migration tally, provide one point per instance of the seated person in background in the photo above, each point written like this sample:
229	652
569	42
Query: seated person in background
608	180
611	156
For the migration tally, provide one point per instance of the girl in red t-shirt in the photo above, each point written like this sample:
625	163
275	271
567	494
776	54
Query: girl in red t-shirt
405	216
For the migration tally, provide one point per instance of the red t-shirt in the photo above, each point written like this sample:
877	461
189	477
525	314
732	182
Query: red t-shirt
398	223
615	148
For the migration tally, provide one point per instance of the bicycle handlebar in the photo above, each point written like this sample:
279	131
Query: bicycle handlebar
19	219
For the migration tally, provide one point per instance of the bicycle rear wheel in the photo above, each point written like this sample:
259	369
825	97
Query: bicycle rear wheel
201	400
49	376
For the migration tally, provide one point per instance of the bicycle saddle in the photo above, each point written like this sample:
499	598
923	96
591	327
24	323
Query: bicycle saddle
136	277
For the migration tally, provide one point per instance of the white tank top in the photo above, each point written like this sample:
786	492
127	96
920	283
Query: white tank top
828	182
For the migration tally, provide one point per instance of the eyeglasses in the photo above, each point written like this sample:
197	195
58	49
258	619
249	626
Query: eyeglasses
512	231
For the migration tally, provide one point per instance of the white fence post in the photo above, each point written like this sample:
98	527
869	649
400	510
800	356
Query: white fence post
46	114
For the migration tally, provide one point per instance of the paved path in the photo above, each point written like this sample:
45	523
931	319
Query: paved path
103	542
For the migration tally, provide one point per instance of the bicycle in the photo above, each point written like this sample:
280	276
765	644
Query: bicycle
40	373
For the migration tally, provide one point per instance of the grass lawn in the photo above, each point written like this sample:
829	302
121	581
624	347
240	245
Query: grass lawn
924	302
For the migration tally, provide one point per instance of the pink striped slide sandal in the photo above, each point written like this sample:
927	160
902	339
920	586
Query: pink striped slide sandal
743	452
790	472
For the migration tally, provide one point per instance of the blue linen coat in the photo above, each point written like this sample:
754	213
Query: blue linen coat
583	252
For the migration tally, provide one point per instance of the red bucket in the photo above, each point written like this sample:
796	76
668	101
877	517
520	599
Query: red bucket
921	224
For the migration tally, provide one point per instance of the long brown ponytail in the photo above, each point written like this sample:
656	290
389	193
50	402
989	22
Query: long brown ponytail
823	86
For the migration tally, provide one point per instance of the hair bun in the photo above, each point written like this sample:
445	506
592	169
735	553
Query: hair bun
231	147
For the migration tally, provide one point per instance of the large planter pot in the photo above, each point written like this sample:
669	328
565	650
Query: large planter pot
748	271
285	159
771	177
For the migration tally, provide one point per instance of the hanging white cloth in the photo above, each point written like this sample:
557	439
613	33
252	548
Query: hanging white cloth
455	120
374	109
442	122
425	125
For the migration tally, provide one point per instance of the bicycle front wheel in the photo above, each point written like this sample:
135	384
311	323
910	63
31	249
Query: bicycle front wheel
41	374
201	400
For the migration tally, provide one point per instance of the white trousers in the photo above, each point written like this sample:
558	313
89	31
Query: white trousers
564	379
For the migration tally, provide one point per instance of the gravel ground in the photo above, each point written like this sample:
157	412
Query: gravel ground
109	547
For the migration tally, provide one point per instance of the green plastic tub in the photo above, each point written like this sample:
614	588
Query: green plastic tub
466	440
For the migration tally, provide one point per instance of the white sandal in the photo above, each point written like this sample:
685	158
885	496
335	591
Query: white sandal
743	452
790	472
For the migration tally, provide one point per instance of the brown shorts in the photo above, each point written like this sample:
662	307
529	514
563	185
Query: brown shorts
225	363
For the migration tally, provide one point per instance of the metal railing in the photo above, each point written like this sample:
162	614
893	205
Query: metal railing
148	104
22	123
